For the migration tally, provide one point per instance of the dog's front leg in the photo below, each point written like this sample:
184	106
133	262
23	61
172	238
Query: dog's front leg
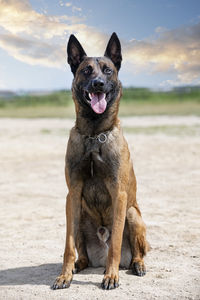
73	206
111	277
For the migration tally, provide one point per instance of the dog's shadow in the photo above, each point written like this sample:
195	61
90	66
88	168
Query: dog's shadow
41	275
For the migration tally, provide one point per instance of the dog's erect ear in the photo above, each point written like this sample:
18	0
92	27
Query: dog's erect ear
75	53
113	51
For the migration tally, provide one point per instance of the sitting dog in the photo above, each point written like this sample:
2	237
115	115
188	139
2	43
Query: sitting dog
104	222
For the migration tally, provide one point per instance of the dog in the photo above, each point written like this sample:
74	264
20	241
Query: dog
99	174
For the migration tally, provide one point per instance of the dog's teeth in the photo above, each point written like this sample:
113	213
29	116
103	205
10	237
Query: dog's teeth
90	96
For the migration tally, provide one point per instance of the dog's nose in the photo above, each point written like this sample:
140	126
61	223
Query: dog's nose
98	83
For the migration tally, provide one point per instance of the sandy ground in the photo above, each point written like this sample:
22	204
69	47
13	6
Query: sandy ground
32	217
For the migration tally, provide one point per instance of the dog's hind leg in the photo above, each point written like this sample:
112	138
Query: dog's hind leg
138	241
82	261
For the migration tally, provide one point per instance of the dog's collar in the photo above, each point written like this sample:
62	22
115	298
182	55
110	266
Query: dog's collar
101	137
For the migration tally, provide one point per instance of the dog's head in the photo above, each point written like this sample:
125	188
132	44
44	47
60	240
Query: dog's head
95	83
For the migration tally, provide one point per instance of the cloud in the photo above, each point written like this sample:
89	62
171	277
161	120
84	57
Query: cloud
75	8
40	39
17	17
69	4
36	38
172	51
33	52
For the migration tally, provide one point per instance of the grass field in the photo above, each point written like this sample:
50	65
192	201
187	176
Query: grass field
135	101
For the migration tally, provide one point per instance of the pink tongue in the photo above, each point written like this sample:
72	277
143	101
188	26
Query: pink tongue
98	102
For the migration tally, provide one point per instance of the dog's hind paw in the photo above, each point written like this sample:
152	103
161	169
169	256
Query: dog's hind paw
138	269
80	265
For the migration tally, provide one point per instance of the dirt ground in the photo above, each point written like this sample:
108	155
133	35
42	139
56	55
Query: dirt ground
32	210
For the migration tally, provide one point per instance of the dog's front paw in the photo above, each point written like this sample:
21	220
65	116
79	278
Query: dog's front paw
110	281
62	282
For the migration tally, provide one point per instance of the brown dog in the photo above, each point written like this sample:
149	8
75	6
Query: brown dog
103	218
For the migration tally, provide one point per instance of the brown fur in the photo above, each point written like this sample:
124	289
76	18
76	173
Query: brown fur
107	196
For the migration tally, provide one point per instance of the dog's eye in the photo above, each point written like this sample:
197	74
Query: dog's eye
108	71
87	71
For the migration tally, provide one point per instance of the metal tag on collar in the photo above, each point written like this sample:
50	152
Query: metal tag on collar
102	138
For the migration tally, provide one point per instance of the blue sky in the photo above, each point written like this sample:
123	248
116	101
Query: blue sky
160	40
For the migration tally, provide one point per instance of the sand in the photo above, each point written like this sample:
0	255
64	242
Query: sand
32	210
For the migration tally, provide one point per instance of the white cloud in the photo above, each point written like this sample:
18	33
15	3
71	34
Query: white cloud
174	51
160	29
36	38
33	52
75	8
68	4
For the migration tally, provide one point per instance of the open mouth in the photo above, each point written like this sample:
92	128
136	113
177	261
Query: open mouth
97	101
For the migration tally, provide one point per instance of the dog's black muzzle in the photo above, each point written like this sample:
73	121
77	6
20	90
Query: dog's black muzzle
98	84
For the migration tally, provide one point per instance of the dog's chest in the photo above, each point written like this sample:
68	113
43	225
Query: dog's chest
98	164
89	158
94	163
99	160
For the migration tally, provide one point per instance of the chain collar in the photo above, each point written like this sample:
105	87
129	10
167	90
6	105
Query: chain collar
101	137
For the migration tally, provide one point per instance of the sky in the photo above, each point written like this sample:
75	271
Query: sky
160	41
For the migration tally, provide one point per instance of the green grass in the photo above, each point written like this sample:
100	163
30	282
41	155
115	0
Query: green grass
173	130
135	101
58	104
176	95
